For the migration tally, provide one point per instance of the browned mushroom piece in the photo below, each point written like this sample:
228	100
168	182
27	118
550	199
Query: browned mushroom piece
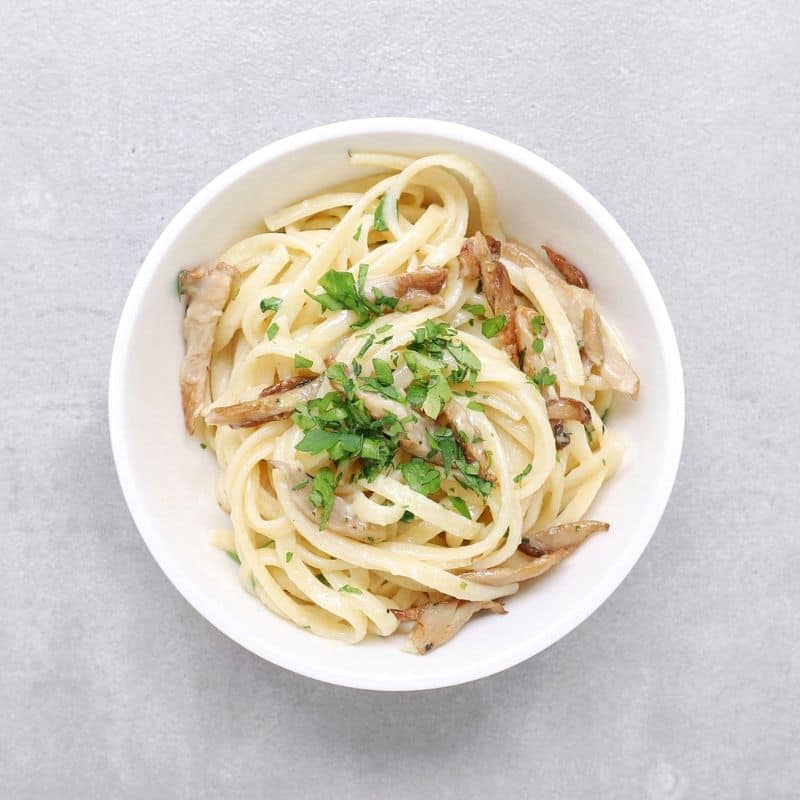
207	291
480	255
456	417
580	307
414	289
556	537
566	408
517	568
440	620
571	274
275	402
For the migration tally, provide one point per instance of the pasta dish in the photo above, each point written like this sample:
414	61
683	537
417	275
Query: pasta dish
408	409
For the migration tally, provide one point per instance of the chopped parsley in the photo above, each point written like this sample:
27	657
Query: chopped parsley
421	476
350	589
301	485
322	493
460	506
357	234
543	378
270	304
378	220
526	471
474	405
340	290
491	327
462	585
203	445
537	323
272	331
478	309
538	345
179	285
301	362
407	517
383	372
289	556
233	556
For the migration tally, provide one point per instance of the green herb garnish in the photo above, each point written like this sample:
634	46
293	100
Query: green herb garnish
460	506
301	362
233	556
421	476
322	493
491	327
272	331
378	221
350	589
526	471
543	378
270	304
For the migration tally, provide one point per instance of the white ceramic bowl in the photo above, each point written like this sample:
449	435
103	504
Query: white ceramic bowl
168	481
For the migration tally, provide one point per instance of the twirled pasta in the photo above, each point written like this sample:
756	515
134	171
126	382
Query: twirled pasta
268	329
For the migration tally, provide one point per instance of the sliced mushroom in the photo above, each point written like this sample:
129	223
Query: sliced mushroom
571	274
566	408
342	519
592	336
519	567
474	251
497	286
556	537
440	620
467	435
207	291
415	289
580	307
275	402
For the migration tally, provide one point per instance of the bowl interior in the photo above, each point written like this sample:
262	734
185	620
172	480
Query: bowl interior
169	481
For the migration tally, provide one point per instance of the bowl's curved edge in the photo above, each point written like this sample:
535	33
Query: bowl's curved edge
667	341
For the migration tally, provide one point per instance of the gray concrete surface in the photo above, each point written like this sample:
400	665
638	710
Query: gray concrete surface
683	119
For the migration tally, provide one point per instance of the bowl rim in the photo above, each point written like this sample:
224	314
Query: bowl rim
592	599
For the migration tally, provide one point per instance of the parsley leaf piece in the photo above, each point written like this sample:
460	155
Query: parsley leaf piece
272	331
491	327
368	342
322	494
357	234
538	345
383	372
478	309
289	556
378	221
518	478
350	589
474	405
407	517
362	276
301	362
460	506
301	485
437	395
270	304
537	323
233	556
543	378
421	476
